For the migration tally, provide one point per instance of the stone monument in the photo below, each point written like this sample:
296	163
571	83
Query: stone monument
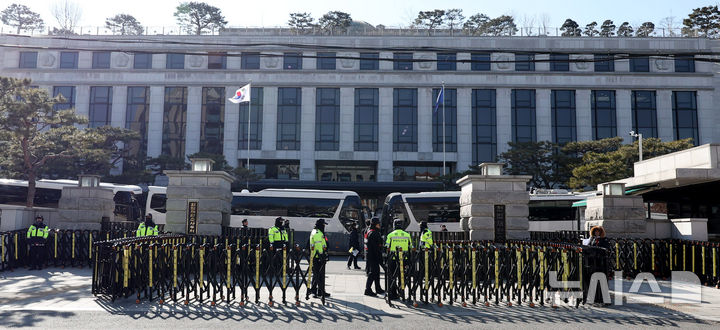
84	207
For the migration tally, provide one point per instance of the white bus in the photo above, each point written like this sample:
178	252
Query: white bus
48	192
303	207
549	210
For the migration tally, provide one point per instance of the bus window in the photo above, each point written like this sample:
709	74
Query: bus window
436	209
394	208
157	202
13	195
285	206
351	213
551	210
47	197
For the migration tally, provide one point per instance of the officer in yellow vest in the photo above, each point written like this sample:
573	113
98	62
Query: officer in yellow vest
37	234
284	231
147	228
318	249
426	240
397	239
275	234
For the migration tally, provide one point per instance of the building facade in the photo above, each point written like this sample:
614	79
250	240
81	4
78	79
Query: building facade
362	109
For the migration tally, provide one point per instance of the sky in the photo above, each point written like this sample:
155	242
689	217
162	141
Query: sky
391	13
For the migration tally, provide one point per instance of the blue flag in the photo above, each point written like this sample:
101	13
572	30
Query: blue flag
440	99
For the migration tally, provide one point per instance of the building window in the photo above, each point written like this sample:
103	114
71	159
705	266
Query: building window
563	116
446	61
100	106
325	61
480	61
405	119
450	101
142	61
369	61
288	121
250	61
685	116
28	60
136	119
639	63
278	169
355	171
68	93
217	60
327	119
212	120
175	61
366	119
523	115
101	60
524	62
484	126
604	120
403	61
292	61
604	63
644	113
174	122
559	62
420	171
256	113
685	63
68	60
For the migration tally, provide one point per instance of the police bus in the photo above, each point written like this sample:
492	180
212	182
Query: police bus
341	210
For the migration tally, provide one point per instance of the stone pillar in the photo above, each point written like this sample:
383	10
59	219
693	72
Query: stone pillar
84	207
493	201
619	214
208	192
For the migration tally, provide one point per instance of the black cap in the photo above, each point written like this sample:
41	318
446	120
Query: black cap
397	224
320	222
244	220
39	217
148	216
423	224
374	221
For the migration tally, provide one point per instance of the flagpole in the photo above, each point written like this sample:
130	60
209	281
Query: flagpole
247	175
443	125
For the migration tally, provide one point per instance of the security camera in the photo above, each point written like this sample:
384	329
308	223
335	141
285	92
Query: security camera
632	133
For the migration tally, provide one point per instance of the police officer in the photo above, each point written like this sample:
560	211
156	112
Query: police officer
275	234
397	239
426	241
147	228
284	231
373	243
318	248
37	234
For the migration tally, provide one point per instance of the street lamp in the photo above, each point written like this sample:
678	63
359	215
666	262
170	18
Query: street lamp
639	136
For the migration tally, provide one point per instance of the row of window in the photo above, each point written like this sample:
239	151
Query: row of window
366	113
368	61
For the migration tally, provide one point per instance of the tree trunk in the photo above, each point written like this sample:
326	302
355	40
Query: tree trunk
18	29
31	189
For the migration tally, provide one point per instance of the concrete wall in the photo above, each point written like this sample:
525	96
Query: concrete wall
84	207
15	217
212	192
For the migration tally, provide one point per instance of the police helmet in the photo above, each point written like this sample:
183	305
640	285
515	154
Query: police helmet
148	216
278	222
39	217
423	225
320	223
397	224
374	222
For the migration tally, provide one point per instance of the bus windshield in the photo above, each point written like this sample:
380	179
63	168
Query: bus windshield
285	206
435	209
351	213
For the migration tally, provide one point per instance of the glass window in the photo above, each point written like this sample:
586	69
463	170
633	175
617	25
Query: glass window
325	61
685	116
212	120
158	202
366	119
644	113
285	206
604	120
435	209
403	61
639	63
256	113
685	63
446	61
136	119
405	119
250	61
563	116
327	119
175	61
101	60
68	93
450	101
292	61
100	106
278	169
346	171
142	61
68	60
523	115
604	63
559	62
217	60
28	60
174	122
351	213
420	171
484	126
369	61
288	122
524	62
480	61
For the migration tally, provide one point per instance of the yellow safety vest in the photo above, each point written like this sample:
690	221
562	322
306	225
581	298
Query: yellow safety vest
426	240
398	239
284	235
143	230
38	232
274	234
317	241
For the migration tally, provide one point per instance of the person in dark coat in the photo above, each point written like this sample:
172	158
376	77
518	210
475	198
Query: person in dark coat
354	244
374	259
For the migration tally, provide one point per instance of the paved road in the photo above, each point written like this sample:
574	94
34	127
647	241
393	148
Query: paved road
59	298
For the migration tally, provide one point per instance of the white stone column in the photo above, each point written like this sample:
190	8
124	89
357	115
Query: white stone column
193	120
231	127
119	106
385	135
623	109
233	62
503	112
158	61
82	100
583	115
269	118
386	65
309	63
155	120
664	115
307	134
464	66
622	65
543	115
705	117
464	129
347	118
84	60
425	118
542	66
